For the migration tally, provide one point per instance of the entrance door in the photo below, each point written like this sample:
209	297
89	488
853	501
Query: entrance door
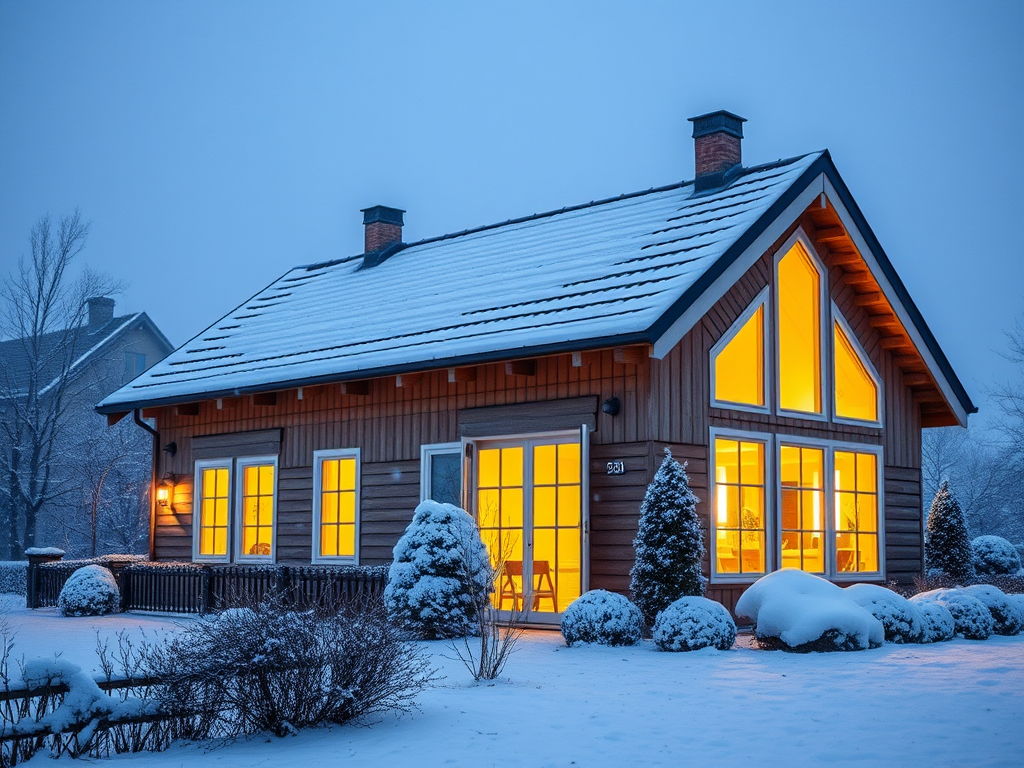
529	505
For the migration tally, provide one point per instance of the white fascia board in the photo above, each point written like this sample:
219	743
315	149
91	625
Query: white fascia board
876	271
736	270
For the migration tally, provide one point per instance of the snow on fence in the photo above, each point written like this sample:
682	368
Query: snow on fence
197	588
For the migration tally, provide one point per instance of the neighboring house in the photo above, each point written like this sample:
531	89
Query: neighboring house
84	364
534	371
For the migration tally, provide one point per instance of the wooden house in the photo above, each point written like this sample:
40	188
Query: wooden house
534	371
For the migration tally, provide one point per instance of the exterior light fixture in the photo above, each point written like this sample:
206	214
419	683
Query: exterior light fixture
165	491
611	406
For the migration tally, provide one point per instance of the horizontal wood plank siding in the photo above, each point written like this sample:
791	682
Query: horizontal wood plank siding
904	521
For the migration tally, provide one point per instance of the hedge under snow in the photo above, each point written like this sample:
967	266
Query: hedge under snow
13	577
992	555
798	611
899	617
440	573
1007	614
692	623
937	623
602	617
971	619
89	591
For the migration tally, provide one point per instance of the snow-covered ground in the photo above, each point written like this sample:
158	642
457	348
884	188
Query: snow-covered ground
955	703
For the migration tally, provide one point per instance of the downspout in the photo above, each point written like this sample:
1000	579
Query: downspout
137	418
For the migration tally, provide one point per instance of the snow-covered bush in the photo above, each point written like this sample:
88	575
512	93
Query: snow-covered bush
439	571
801	612
899	616
937	623
602	617
971	619
994	555
947	545
669	544
12	577
89	591
692	623
269	668
1007	615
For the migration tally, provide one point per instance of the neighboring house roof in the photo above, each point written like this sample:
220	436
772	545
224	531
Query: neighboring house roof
608	273
87	345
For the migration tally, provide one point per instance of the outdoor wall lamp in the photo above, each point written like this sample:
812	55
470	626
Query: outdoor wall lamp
611	406
165	491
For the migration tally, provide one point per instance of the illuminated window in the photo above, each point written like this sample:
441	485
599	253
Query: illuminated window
856	389
739	364
441	473
556	525
739	514
856	512
256	518
336	505
214	495
500	514
802	512
799	332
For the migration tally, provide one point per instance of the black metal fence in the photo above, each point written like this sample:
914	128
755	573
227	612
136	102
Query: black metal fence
198	588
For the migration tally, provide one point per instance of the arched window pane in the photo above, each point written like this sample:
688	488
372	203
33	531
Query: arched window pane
739	366
799	290
856	391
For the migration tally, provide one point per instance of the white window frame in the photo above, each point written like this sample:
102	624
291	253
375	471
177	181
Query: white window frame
197	509
318	458
427	452
761	300
766	439
241	463
858	348
829	448
824	329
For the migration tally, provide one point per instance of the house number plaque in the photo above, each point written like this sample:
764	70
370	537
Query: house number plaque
616	467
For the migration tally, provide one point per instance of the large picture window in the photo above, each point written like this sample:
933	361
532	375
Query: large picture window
336	506
740	514
235	511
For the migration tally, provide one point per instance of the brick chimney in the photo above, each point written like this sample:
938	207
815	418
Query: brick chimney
716	143
383	227
101	312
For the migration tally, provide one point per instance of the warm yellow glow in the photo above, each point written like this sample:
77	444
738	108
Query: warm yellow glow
856	512
739	366
740	511
500	517
258	509
213	511
799	296
162	495
338	507
803	535
856	391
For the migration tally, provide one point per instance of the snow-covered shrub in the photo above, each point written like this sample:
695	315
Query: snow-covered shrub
801	612
12	577
937	623
692	623
602	617
89	591
268	668
994	555
971	619
899	616
947	545
669	544
1007	615
440	569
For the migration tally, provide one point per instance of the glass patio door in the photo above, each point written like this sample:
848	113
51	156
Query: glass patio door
529	505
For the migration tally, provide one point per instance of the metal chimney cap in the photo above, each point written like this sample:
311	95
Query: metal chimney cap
718	122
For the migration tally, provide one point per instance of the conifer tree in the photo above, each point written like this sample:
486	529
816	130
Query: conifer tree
669	543
947	545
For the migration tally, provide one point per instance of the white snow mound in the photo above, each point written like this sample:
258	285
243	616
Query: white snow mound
900	618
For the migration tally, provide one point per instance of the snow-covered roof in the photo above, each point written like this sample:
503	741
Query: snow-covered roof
593	274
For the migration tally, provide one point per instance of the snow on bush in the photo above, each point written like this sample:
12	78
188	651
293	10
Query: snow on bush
801	612
993	555
899	617
440	569
1007	615
937	623
971	619
89	591
602	617
669	544
691	623
946	543
12	577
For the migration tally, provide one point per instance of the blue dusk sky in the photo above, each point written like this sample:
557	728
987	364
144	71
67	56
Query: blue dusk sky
213	145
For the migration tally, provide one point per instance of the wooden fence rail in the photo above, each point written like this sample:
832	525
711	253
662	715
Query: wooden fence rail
195	588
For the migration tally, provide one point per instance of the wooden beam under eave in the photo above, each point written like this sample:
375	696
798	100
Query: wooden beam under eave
461	375
908	361
895	342
356	388
406	380
151	413
521	368
630	355
830	234
928	396
916	379
267	399
310	393
868	299
884	321
187	409
113	418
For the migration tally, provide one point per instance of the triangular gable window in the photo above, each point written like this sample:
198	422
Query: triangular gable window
799	331
738	360
856	387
